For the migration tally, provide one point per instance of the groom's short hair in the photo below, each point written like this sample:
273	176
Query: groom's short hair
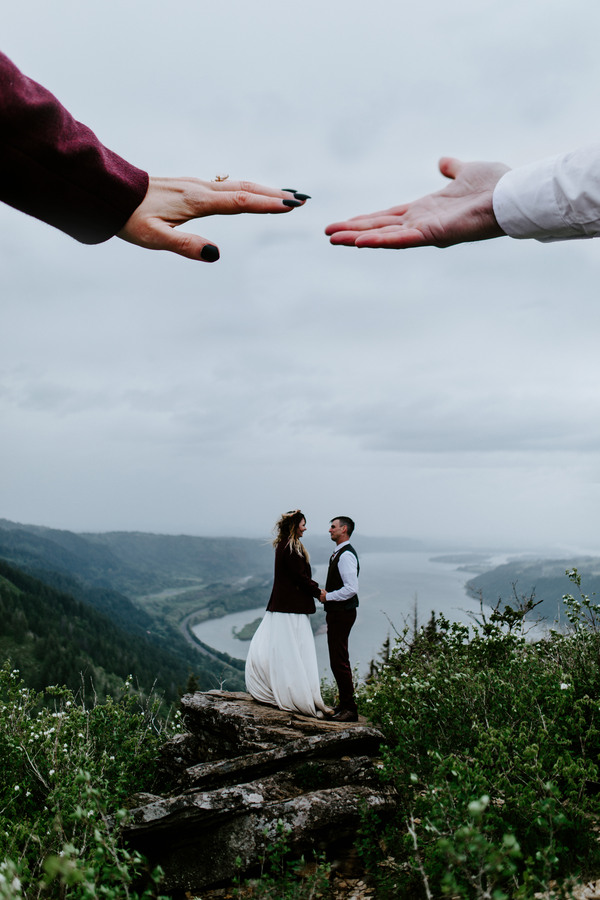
345	520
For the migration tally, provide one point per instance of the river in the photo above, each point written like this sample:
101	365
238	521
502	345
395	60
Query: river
390	585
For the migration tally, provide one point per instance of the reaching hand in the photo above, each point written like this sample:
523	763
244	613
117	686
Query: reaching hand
461	211
174	201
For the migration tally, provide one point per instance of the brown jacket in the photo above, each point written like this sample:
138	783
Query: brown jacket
293	588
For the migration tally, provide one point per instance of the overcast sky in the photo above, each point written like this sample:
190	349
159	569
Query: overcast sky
446	394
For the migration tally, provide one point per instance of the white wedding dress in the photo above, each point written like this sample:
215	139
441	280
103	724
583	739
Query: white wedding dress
281	667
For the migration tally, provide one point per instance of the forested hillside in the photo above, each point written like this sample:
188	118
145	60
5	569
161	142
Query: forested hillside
53	638
131	562
68	604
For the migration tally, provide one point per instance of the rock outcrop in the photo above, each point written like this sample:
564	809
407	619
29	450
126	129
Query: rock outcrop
241	770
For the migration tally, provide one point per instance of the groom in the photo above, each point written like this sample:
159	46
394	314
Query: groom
340	600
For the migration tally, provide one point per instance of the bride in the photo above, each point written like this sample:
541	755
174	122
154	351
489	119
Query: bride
281	668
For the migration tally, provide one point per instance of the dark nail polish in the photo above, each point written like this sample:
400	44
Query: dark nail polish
299	196
291	190
210	253
291	203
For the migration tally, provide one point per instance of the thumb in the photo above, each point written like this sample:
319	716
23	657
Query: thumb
192	246
450	166
155	234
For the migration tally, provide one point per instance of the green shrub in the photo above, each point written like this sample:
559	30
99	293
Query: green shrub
100	868
60	754
491	741
283	878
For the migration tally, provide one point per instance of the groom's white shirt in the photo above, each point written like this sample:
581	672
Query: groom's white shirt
348	569
553	199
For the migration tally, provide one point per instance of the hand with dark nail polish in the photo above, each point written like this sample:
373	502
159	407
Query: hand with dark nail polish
170	202
152	208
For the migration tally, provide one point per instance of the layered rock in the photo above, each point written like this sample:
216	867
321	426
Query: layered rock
244	772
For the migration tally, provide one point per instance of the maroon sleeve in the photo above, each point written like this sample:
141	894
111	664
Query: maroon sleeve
54	168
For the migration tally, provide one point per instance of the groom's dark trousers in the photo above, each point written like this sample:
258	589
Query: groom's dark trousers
339	624
341	616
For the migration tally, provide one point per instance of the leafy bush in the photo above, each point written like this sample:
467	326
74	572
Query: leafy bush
493	744
60	755
491	741
283	878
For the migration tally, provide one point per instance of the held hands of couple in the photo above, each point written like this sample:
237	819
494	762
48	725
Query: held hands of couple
461	211
170	202
322	596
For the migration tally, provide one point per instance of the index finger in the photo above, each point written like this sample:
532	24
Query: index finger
250	187
232	197
368	220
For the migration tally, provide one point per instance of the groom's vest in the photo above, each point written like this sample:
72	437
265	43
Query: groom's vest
335	582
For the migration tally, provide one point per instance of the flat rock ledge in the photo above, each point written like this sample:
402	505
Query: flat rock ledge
241	769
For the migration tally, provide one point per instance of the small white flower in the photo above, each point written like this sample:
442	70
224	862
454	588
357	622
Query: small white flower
564	686
17	787
51	772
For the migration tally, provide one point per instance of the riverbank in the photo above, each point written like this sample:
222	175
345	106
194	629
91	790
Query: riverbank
394	587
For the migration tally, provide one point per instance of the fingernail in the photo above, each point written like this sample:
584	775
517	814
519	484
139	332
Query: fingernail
291	203
302	196
209	253
291	190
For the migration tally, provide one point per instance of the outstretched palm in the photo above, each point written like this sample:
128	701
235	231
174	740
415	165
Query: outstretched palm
461	211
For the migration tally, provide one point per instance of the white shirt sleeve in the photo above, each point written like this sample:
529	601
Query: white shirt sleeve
555	199
347	567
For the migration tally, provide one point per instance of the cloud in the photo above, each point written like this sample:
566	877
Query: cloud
140	390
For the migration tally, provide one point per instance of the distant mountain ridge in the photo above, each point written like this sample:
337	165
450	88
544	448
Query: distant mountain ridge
546	578
133	562
138	563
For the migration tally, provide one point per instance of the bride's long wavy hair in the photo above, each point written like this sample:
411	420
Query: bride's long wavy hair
288	532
